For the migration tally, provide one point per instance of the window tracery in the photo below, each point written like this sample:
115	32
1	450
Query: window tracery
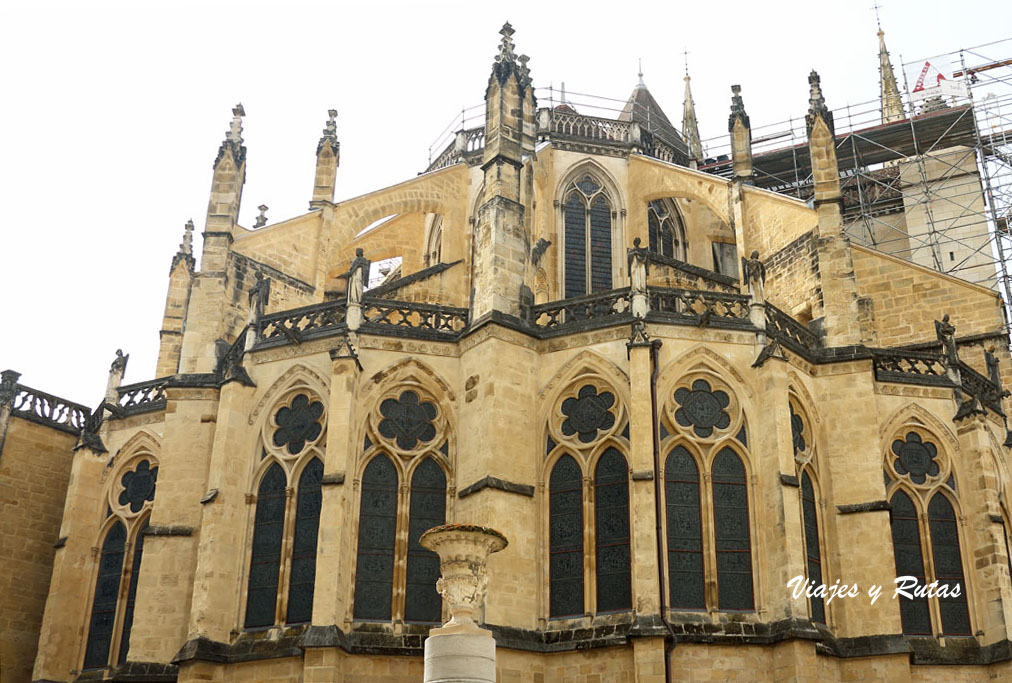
404	492
708	527
921	485
587	226
804	458
588	545
666	231
288	497
128	500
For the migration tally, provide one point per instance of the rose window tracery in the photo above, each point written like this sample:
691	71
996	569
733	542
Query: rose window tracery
138	486
702	408
407	419
298	424
798	432
915	458
587	413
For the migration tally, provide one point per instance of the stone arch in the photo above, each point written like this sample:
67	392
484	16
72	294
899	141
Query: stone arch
590	166
700	357
585	362
913	413
409	369
681	183
293	376
142	441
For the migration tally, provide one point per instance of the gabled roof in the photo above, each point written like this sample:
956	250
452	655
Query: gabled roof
642	108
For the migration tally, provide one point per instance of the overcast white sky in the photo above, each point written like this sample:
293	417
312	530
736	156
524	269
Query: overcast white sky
113	112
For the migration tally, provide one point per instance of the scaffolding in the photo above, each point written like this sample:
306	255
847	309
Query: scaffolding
933	187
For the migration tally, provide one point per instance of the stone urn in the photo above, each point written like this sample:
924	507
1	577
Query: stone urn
463	551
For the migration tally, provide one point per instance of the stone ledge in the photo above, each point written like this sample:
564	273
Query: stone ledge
789	480
871	506
169	530
496	483
333	479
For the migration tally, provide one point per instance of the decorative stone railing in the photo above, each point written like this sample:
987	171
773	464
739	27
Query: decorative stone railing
142	397
976	384
590	127
298	324
654	147
582	310
790	332
699	307
466	145
53	411
909	367
413	317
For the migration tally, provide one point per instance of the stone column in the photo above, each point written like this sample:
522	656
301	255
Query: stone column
460	651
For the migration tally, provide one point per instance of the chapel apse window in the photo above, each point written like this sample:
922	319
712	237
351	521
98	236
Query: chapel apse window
685	531
103	610
731	532
587	230
427	510
914	613
377	528
566	539
948	565
265	559
611	522
813	552
302	582
665	229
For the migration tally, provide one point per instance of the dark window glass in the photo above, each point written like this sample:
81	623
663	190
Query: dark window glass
731	532
685	530
377	528
948	565
427	509
565	519
1008	548
265	560
307	527
128	614
813	553
909	562
576	246
103	608
653	231
611	523
600	245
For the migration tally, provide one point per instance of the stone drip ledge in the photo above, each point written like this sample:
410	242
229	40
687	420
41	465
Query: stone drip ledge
490	482
134	672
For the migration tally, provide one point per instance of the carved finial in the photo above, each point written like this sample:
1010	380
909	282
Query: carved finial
186	248
330	131
685	52
737	109
8	386
878	21
506	46
524	71
235	129
563	92
640	61
262	218
817	103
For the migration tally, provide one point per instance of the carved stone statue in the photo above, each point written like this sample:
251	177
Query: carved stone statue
119	363
639	268
991	363
755	276
259	293
357	275
946	333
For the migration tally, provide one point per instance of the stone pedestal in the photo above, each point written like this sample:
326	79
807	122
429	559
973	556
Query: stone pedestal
460	651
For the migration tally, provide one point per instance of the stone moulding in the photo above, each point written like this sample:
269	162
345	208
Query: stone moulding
490	482
872	506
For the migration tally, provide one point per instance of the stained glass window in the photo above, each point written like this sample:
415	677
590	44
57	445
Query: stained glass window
611	523
664	229
566	539
685	531
588	413
265	558
298	423
128	614
103	608
813	553
948	565
587	228
909	562
731	532
407	419
377	528
307	525
427	510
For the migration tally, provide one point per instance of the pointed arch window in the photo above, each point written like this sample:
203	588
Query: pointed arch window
265	560
665	229
377	532
565	507
731	532
611	523
301	585
685	531
110	622
925	532
813	551
587	212
427	510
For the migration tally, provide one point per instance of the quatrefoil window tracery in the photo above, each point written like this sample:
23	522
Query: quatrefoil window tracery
588	413
915	457
702	408
298	424
138	486
798	432
408	420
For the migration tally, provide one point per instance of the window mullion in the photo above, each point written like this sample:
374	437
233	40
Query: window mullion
401	551
284	571
928	555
